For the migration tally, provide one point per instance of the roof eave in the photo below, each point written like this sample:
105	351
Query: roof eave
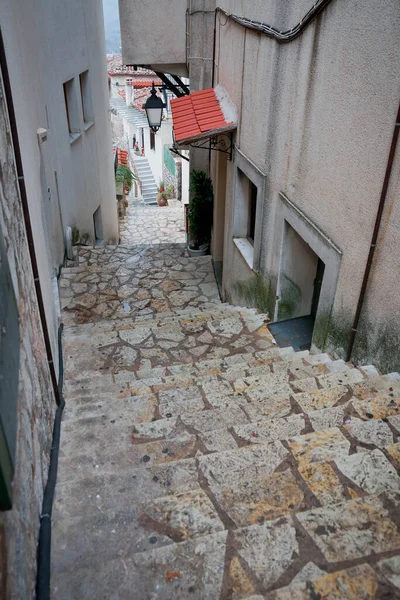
205	135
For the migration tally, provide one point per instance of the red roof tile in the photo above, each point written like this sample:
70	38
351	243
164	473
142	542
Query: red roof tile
197	114
122	157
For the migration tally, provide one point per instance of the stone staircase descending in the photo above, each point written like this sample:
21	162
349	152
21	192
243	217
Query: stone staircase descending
200	460
149	186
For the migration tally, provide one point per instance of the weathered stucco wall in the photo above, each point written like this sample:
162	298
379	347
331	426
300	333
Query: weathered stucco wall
36	404
160	39
47	42
317	116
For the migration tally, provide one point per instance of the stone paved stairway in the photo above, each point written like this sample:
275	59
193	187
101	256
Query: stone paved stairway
198	459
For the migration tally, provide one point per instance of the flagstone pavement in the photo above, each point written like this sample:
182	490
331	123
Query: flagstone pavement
198	459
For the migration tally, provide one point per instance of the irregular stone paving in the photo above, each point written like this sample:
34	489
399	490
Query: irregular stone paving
200	460
139	280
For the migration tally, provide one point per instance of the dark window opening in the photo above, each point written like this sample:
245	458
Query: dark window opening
71	107
66	107
86	97
251	226
152	140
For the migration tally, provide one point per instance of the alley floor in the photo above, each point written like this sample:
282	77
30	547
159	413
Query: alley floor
199	460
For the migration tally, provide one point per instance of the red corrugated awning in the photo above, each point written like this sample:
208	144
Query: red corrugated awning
201	115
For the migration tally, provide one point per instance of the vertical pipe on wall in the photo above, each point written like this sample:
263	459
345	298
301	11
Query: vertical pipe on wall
375	234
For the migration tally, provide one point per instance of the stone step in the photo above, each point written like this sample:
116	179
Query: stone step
229	368
159	321
221	311
375	398
235	421
242	492
301	378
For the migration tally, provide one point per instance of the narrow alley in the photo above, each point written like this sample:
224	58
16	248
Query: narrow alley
200	460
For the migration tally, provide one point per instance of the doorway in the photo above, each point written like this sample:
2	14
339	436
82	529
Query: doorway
298	292
98	227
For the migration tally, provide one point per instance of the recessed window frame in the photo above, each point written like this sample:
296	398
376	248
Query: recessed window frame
252	210
247	227
152	140
71	109
86	98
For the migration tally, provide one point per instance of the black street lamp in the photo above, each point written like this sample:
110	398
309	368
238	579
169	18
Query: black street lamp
154	107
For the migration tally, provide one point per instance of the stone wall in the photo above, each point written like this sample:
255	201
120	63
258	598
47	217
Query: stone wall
36	403
168	177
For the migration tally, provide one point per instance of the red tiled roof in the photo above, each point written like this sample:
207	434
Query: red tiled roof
122	157
140	83
198	114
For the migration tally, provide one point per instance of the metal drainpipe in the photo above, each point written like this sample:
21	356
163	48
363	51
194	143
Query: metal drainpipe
374	236
25	210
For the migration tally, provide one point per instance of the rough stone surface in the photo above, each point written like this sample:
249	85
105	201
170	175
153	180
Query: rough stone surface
36	403
200	460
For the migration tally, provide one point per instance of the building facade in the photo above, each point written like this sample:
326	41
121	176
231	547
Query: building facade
129	90
56	147
296	208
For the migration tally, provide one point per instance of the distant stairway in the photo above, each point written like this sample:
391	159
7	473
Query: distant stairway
149	187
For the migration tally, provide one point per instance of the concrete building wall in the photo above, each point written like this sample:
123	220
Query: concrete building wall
317	116
47	43
156	156
157	40
36	403
85	175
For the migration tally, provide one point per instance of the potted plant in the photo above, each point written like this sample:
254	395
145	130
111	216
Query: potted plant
125	176
200	213
161	197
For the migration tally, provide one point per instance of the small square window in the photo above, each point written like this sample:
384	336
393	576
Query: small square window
71	107
86	97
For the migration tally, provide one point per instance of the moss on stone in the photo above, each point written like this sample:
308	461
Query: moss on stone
255	292
378	344
290	298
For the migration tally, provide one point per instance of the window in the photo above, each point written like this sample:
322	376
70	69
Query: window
86	98
251	225
152	140
71	107
248	194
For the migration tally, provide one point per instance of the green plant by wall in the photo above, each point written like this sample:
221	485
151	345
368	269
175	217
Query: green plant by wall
124	175
200	211
170	191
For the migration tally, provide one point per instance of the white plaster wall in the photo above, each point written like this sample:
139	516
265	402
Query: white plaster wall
156	157
85	170
48	42
185	181
298	267
153	31
317	116
20	23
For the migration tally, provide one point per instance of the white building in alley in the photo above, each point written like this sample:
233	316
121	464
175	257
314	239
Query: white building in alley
56	172
310	197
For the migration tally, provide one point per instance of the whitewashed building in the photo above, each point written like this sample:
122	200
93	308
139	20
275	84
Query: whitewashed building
297	209
56	172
